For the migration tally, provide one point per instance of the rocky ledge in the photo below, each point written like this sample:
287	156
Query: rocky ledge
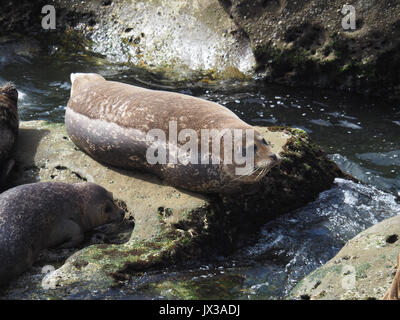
163	226
298	42
183	39
292	42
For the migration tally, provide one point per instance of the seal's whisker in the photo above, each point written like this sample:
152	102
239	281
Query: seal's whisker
262	171
265	171
252	171
255	170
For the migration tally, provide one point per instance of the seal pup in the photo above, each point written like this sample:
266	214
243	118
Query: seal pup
8	128
394	291
45	215
111	122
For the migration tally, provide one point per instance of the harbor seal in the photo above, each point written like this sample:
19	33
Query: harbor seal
45	215
394	291
8	128
112	122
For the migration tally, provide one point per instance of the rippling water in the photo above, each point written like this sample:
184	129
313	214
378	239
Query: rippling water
361	135
288	248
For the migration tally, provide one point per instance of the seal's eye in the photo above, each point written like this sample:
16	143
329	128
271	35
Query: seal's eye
255	148
264	142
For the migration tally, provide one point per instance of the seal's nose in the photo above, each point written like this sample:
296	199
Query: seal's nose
274	157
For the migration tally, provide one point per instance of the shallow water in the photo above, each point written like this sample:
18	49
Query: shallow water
361	135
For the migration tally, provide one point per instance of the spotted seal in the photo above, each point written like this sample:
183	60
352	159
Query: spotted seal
8	128
48	214
111	121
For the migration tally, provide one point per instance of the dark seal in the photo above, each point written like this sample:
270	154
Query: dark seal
111	121
8	128
45	215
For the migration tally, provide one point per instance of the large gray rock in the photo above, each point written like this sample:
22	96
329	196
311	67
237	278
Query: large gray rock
303	42
185	39
363	269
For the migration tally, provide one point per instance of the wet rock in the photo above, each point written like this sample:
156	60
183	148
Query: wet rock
363	269
184	39
298	42
164	226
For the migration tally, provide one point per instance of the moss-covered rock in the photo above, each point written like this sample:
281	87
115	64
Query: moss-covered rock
171	226
303	42
363	269
300	43
183	39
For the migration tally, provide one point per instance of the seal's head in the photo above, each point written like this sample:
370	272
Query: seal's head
253	158
99	207
264	157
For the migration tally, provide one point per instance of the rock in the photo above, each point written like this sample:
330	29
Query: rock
298	42
184	39
363	269
171	226
291	42
394	291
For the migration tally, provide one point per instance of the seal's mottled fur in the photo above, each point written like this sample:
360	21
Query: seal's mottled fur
109	120
48	214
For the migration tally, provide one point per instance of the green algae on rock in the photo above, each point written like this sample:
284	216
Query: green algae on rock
363	269
171	226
